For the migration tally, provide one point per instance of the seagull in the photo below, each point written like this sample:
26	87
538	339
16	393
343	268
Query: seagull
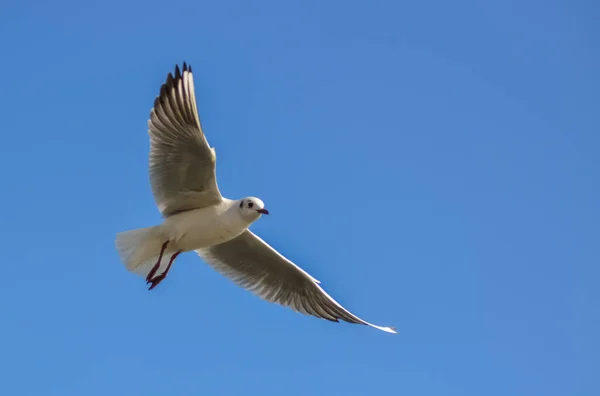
196	217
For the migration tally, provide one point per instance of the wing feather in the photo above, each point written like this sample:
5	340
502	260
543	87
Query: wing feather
182	163
255	266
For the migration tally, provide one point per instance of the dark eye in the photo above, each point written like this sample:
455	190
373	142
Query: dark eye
250	204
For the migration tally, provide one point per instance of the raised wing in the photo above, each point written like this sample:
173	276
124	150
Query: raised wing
254	265
182	164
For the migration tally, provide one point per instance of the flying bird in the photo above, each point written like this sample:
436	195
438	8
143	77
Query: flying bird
196	217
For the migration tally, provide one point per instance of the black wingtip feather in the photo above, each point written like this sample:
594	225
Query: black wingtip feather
178	73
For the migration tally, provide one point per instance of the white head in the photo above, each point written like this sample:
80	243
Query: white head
252	208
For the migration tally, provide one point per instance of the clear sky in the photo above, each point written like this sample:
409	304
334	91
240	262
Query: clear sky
435	164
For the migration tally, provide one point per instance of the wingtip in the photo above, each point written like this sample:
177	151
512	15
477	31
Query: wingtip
186	67
391	330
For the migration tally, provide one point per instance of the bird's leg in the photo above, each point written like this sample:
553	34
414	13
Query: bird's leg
157	265
156	280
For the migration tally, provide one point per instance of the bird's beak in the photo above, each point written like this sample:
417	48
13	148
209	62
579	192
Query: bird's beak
263	211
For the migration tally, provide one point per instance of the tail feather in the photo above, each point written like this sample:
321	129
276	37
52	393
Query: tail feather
144	268
139	249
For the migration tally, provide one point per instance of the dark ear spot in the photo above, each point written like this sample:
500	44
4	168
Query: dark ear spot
241	204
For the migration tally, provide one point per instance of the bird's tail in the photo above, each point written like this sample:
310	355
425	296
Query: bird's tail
140	249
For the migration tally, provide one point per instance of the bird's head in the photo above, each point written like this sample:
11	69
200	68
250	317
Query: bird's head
252	208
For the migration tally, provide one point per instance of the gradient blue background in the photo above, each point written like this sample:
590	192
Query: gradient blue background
435	164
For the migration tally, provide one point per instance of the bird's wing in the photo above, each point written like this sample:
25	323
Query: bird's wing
182	164
254	265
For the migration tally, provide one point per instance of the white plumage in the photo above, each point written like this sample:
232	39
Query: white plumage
197	218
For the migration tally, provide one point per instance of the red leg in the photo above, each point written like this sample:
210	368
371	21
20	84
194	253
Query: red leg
156	280
157	265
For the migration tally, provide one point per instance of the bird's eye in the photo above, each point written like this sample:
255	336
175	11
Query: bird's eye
250	204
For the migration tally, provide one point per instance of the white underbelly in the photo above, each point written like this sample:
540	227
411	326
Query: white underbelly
200	229
200	238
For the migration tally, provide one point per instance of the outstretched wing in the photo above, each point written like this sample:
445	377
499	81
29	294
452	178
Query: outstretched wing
182	164
254	265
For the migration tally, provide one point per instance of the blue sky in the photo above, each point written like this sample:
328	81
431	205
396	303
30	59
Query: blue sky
434	164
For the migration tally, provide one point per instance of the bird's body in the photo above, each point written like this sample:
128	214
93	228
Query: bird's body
198	218
182	232
204	227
